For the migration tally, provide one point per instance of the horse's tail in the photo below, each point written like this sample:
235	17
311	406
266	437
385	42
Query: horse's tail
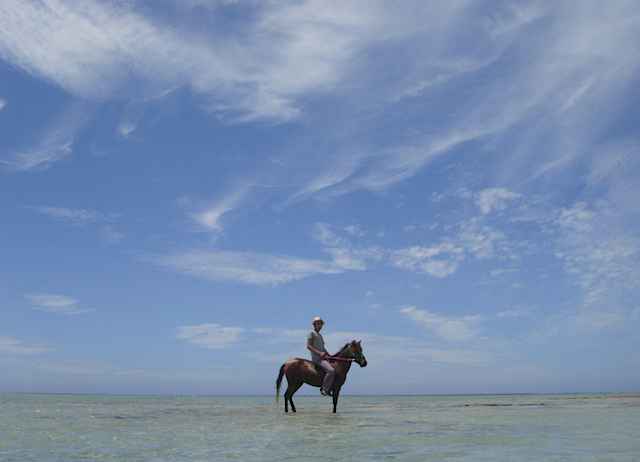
279	382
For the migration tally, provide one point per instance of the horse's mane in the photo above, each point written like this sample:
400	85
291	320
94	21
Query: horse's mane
346	345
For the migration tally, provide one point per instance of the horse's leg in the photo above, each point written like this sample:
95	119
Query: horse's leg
288	395
336	393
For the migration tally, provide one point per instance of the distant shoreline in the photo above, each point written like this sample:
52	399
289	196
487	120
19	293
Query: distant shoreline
587	395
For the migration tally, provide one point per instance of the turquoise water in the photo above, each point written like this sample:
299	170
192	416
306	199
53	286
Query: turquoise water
590	427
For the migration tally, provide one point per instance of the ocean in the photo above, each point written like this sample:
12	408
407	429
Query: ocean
566	427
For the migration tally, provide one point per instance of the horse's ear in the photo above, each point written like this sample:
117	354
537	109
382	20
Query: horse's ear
359	342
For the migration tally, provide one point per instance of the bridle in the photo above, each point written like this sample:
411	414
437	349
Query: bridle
353	356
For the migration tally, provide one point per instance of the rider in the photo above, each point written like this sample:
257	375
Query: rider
315	344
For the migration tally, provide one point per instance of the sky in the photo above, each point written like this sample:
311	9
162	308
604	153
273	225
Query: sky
186	184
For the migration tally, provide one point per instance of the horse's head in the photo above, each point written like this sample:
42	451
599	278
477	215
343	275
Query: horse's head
355	350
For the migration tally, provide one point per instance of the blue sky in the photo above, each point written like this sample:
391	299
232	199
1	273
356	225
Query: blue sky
185	184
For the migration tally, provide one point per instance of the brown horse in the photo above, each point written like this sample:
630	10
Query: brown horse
300	371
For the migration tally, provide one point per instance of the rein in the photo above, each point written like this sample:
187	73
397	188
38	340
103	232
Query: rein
351	359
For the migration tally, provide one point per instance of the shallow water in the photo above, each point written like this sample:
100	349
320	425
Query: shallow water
493	428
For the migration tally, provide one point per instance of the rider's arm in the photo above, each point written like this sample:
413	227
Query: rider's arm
310	348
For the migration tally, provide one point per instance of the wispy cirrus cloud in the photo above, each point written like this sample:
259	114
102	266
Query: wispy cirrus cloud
344	254
77	217
11	346
470	238
281	56
531	113
602	256
209	217
98	42
53	146
217	337
210	335
449	328
242	267
494	199
57	304
112	48
83	217
441	259
383	348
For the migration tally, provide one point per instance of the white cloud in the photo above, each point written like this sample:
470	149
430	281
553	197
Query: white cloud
602	255
328	179
58	304
513	104
87	48
211	335
494	199
10	346
126	128
385	349
512	314
266	269
55	145
595	250
78	217
343	253
101	50
110	236
482	241
615	169
439	260
209	217
289	53
442	259
83	217
243	267
354	230
449	328
423	259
